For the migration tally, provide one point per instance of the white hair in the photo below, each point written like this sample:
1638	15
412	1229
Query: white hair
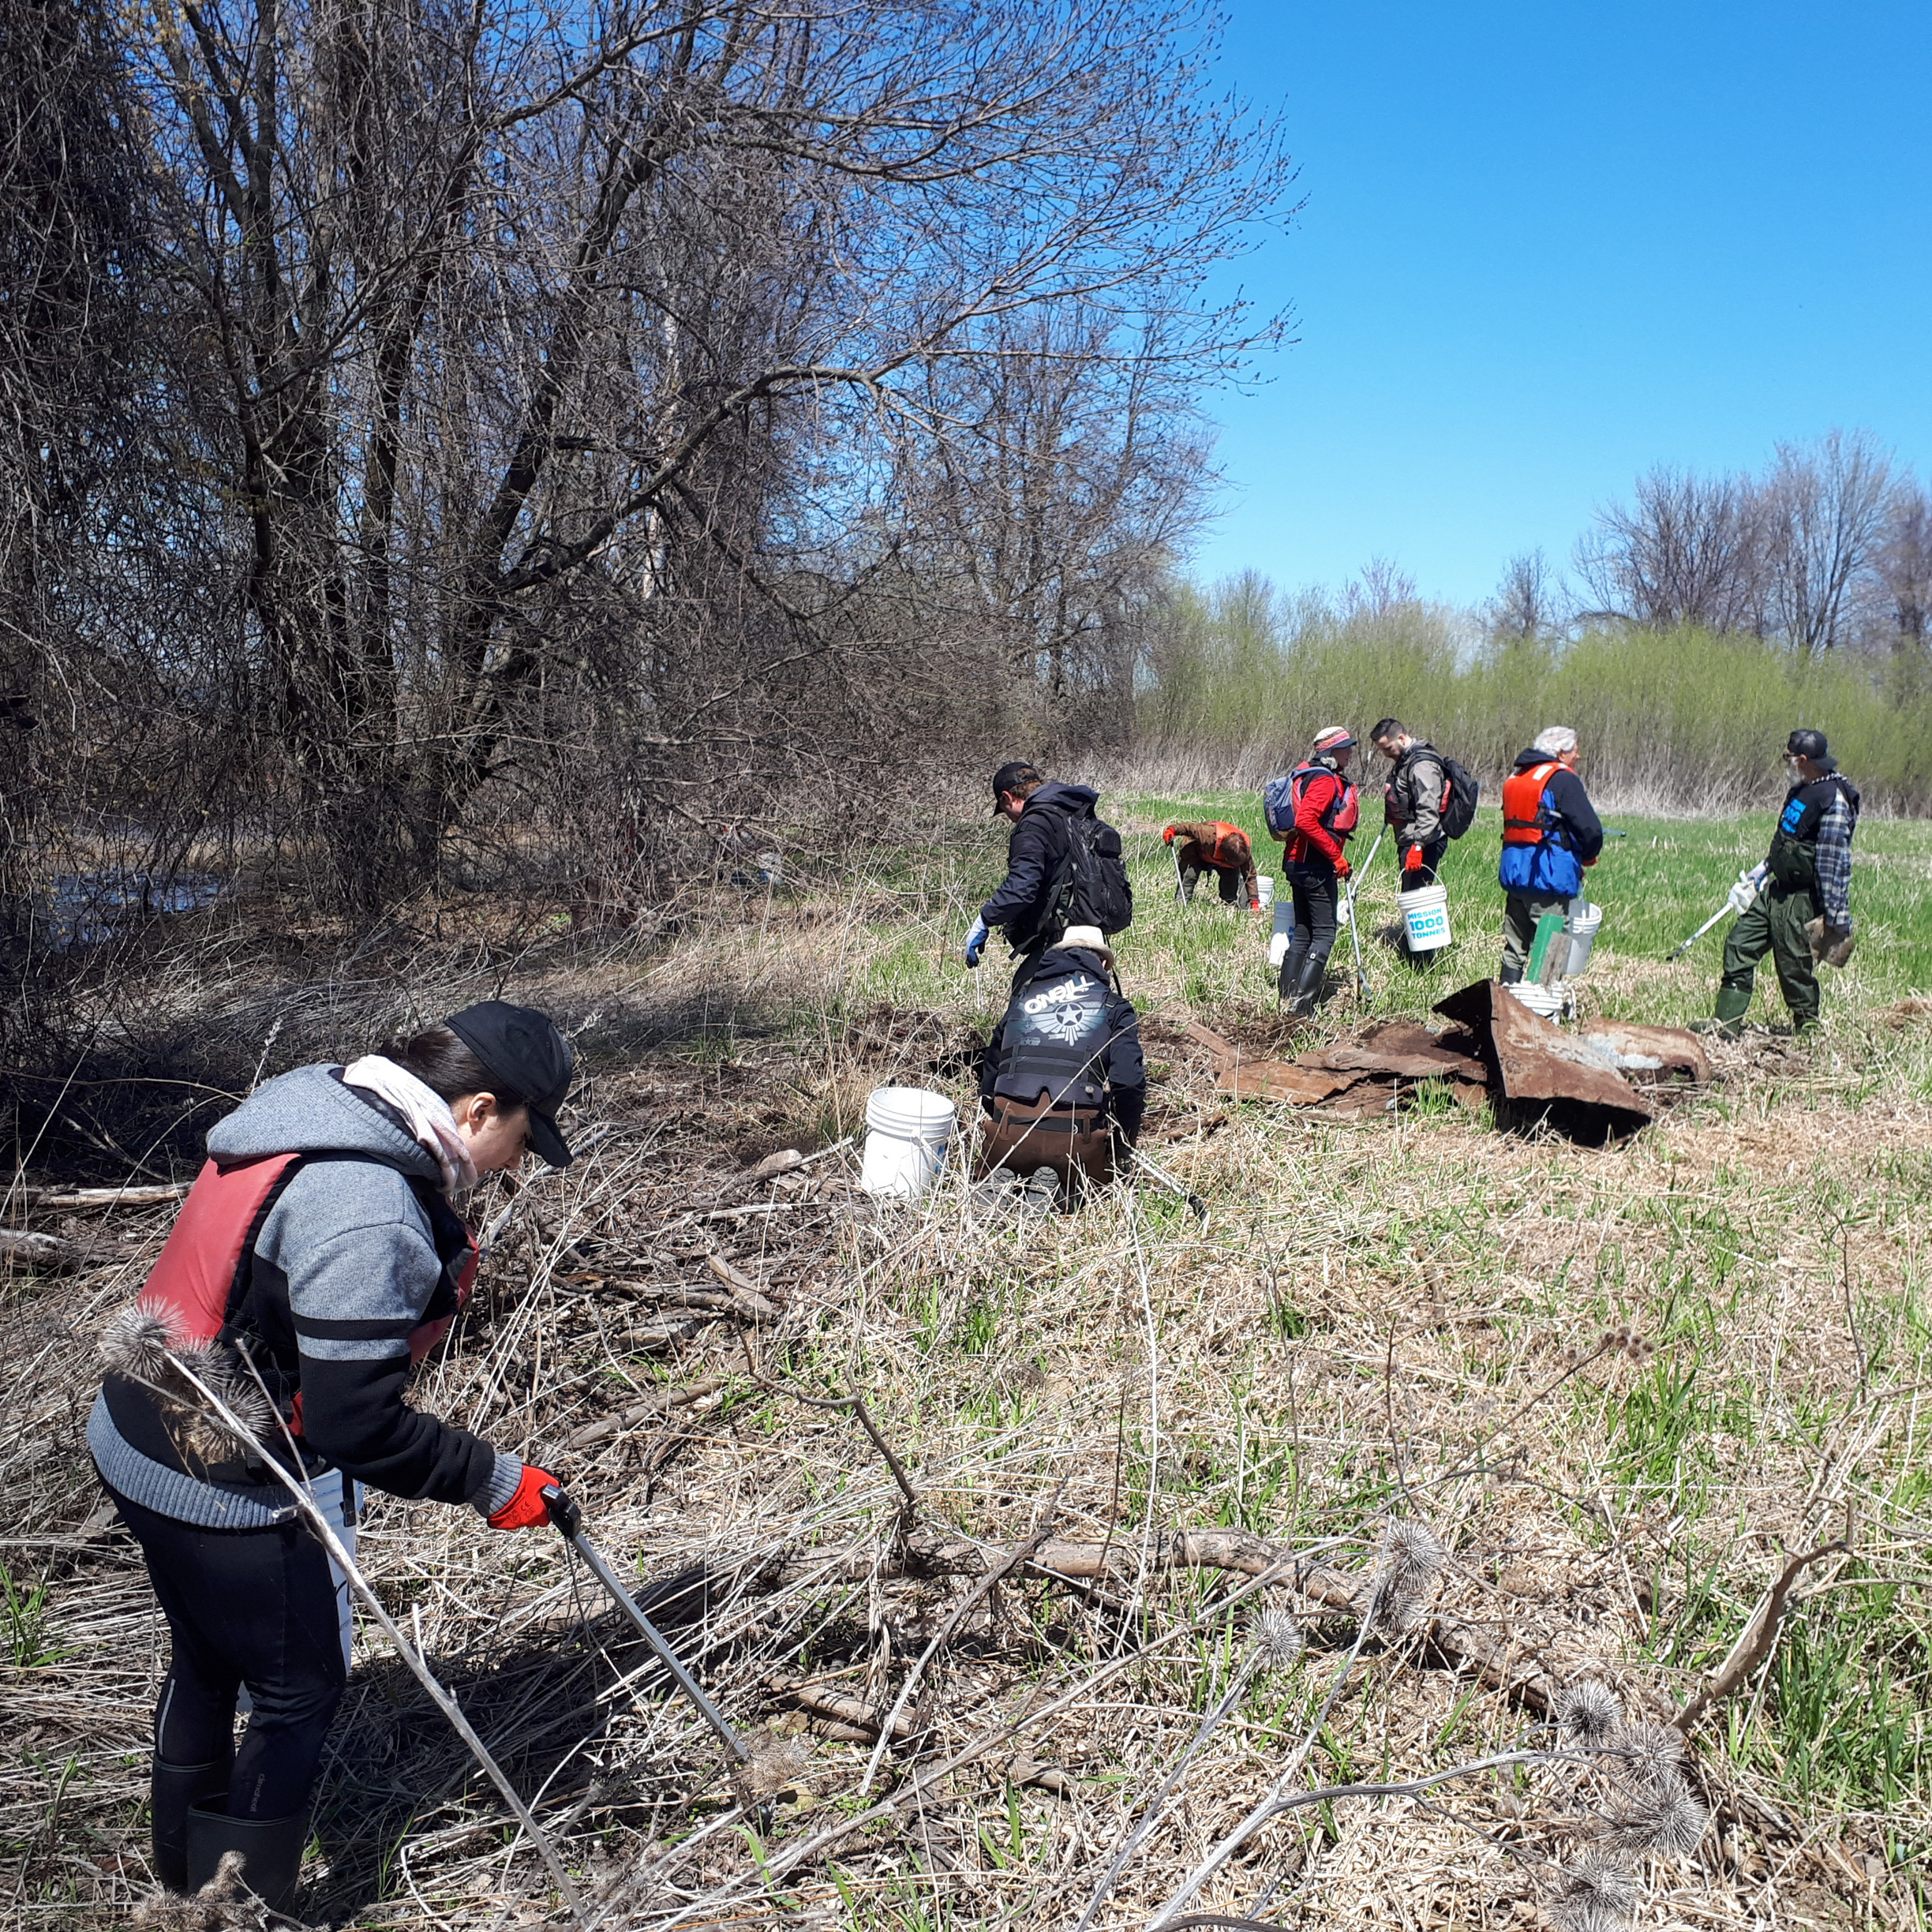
1556	741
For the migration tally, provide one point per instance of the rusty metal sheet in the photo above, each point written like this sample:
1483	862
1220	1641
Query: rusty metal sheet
1221	1051
1283	1080
1400	1048
1646	1053
1536	1062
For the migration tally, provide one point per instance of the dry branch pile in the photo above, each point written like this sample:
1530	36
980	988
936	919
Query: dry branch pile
1250	1569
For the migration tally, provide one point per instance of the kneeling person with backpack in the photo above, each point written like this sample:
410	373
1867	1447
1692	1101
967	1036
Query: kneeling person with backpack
1063	867
1063	1083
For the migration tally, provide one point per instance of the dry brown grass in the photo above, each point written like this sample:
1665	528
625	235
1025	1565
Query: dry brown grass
1395	1321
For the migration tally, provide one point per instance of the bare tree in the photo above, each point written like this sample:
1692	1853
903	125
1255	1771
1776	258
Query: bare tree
1527	603
517	316
1904	565
1690	551
1380	589
1827	505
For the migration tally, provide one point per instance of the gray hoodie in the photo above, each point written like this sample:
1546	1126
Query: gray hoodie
358	1250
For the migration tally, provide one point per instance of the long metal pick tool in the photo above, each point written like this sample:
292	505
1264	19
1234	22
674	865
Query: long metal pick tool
568	1518
1722	912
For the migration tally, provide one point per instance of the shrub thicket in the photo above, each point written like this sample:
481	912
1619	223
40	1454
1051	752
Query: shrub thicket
1240	677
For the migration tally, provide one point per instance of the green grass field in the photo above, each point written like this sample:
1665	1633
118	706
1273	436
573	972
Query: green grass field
1768	1239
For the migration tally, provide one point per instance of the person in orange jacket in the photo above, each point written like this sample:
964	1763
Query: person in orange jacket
1210	846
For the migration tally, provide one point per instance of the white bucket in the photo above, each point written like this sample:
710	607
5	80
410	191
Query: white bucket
908	1130
1584	920
1264	889
1546	1001
1425	917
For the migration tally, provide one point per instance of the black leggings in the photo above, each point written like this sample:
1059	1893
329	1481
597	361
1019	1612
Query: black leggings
1315	891
254	1607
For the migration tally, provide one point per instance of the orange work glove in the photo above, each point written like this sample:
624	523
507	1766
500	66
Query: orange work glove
1412	859
1167	836
525	1510
1342	867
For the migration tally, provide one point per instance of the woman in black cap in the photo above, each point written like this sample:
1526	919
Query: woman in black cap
316	1259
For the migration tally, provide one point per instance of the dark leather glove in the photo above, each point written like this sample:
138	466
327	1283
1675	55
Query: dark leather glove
526	1509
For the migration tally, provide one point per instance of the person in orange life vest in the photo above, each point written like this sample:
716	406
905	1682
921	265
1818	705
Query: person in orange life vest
1327	808
316	1257
1221	849
1551	832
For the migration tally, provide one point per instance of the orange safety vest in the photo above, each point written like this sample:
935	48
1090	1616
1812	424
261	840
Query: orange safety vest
1221	851
1525	821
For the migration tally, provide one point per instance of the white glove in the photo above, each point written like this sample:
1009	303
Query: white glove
1742	894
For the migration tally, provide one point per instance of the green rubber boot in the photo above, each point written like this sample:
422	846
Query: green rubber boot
1728	1022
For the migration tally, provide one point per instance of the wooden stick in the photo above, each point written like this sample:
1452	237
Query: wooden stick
1756	1642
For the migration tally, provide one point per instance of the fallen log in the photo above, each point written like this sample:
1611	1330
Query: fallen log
844	1710
72	1199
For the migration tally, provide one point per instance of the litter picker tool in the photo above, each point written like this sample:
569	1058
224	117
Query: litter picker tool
1738	900
1724	912
1179	881
567	1515
1168	1181
1355	879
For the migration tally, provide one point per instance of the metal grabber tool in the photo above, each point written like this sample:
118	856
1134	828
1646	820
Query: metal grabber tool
568	1518
1355	879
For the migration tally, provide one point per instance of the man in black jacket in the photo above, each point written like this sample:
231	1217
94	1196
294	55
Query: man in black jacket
1030	903
1063	1082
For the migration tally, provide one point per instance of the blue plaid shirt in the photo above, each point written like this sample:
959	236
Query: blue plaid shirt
1834	863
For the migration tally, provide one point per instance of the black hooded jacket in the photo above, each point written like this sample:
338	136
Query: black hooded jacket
1024	901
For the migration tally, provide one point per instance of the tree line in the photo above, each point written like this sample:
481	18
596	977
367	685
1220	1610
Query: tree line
438	439
1828	548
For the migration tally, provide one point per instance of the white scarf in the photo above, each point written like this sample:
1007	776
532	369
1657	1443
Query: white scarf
426	1111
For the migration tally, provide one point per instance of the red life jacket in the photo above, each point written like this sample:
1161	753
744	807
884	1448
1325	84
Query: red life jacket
1525	821
1339	817
200	1284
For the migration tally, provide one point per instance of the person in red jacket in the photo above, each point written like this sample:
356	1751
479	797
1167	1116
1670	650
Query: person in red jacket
1223	850
1314	812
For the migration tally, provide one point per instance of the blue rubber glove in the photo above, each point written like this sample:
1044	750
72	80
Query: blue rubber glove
975	941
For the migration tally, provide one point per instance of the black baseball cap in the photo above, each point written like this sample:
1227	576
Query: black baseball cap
1811	744
530	1057
1013	776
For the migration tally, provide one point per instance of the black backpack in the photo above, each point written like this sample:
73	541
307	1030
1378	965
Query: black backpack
1091	887
1460	792
1459	796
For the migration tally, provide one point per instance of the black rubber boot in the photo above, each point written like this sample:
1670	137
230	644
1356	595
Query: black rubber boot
1307	986
272	1851
174	1789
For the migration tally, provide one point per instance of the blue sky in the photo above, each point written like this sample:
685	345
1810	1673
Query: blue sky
1546	246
